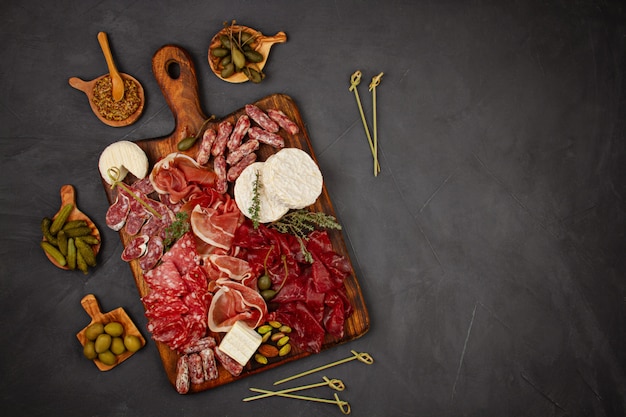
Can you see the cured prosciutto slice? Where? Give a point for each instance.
(181, 177)
(225, 266)
(233, 302)
(214, 220)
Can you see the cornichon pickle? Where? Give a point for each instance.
(71, 254)
(45, 229)
(62, 242)
(89, 239)
(54, 252)
(226, 60)
(253, 56)
(74, 223)
(61, 218)
(86, 252)
(186, 143)
(78, 231)
(253, 75)
(220, 52)
(80, 263)
(244, 36)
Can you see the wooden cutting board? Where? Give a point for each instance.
(174, 71)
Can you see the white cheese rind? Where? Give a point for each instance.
(293, 178)
(270, 209)
(240, 343)
(127, 157)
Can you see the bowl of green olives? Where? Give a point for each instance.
(110, 338)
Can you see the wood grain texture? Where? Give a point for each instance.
(181, 94)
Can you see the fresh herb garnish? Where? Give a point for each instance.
(177, 229)
(302, 222)
(255, 208)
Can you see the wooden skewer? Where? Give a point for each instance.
(375, 82)
(361, 357)
(355, 80)
(335, 384)
(344, 406)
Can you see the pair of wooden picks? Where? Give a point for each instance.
(335, 384)
(355, 80)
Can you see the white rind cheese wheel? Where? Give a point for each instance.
(127, 157)
(270, 209)
(292, 177)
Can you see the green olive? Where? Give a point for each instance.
(89, 350)
(94, 331)
(117, 346)
(114, 329)
(103, 343)
(132, 342)
(264, 282)
(268, 294)
(107, 357)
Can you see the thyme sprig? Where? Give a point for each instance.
(177, 229)
(255, 209)
(300, 223)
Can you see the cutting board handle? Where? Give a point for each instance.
(175, 73)
(91, 306)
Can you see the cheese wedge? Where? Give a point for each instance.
(240, 343)
(127, 157)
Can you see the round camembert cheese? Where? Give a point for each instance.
(289, 179)
(127, 157)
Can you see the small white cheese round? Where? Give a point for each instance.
(292, 177)
(127, 157)
(270, 209)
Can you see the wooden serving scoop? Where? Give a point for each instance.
(91, 306)
(260, 43)
(68, 195)
(87, 88)
(116, 78)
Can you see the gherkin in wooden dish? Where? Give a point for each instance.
(239, 53)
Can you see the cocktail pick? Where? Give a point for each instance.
(344, 406)
(355, 80)
(375, 82)
(361, 357)
(335, 384)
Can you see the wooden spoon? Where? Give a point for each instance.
(87, 88)
(91, 306)
(260, 43)
(116, 78)
(68, 195)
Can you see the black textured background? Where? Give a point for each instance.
(490, 249)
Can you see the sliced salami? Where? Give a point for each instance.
(207, 342)
(183, 253)
(209, 365)
(231, 365)
(196, 372)
(118, 212)
(182, 375)
(153, 253)
(239, 131)
(204, 153)
(267, 137)
(261, 118)
(283, 121)
(238, 154)
(136, 248)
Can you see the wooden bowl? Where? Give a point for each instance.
(87, 88)
(68, 195)
(261, 44)
(91, 306)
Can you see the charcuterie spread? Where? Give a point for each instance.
(230, 236)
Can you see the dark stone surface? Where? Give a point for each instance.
(490, 249)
